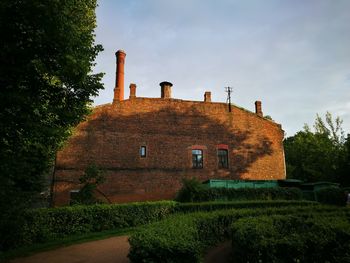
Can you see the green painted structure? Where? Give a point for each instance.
(308, 189)
(237, 184)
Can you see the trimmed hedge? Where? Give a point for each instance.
(184, 238)
(213, 206)
(204, 194)
(171, 240)
(41, 225)
(331, 196)
(292, 238)
(46, 224)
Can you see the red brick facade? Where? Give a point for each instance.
(169, 129)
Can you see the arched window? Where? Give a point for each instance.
(222, 158)
(197, 158)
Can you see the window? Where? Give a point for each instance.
(197, 159)
(223, 158)
(143, 151)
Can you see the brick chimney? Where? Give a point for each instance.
(119, 77)
(207, 96)
(165, 89)
(258, 110)
(132, 91)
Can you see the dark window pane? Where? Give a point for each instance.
(197, 158)
(223, 158)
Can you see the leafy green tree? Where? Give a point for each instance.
(345, 168)
(47, 51)
(319, 155)
(332, 128)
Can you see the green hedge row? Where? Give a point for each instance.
(292, 238)
(45, 224)
(331, 196)
(203, 194)
(219, 205)
(183, 238)
(41, 225)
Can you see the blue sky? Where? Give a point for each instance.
(293, 55)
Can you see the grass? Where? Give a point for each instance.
(62, 242)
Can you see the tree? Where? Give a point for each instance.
(46, 55)
(331, 128)
(91, 179)
(345, 168)
(319, 155)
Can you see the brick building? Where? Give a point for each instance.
(147, 145)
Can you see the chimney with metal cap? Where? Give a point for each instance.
(165, 89)
(119, 78)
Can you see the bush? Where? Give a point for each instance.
(45, 224)
(332, 196)
(172, 240)
(41, 225)
(212, 206)
(292, 238)
(193, 191)
(184, 237)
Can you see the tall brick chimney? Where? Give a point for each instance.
(119, 77)
(258, 110)
(207, 96)
(132, 91)
(165, 89)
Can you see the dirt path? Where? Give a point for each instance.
(111, 250)
(219, 254)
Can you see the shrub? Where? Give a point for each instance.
(292, 238)
(308, 195)
(332, 196)
(192, 192)
(212, 206)
(172, 240)
(184, 237)
(40, 225)
(45, 224)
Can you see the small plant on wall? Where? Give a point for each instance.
(92, 177)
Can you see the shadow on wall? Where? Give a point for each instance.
(113, 141)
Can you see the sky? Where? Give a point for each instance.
(293, 55)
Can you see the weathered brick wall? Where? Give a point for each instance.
(170, 128)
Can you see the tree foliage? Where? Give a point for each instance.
(47, 51)
(91, 179)
(330, 128)
(190, 191)
(319, 155)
